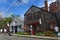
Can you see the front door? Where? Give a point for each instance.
(15, 29)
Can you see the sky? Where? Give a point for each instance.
(8, 7)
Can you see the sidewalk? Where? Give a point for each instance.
(32, 36)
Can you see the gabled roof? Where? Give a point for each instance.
(19, 20)
(36, 7)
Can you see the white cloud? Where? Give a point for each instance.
(3, 1)
(50, 1)
(25, 1)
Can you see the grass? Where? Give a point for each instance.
(21, 33)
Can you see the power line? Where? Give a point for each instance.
(8, 5)
(13, 6)
(18, 1)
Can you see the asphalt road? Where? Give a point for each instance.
(7, 37)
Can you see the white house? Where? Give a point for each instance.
(17, 25)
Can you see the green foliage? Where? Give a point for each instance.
(38, 34)
(8, 19)
(23, 33)
(49, 33)
(3, 23)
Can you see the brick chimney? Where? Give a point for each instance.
(46, 5)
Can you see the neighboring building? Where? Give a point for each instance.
(54, 6)
(55, 10)
(58, 3)
(17, 25)
(57, 14)
(38, 19)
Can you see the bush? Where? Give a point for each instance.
(49, 33)
(38, 34)
(27, 33)
(21, 33)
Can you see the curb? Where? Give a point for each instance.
(38, 37)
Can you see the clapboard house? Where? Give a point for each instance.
(38, 19)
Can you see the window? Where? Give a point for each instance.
(36, 15)
(12, 27)
(29, 16)
(20, 26)
(15, 21)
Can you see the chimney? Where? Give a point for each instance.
(46, 5)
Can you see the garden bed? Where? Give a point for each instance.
(47, 33)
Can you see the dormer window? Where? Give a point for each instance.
(32, 9)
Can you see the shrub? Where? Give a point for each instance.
(49, 33)
(38, 34)
(27, 33)
(21, 33)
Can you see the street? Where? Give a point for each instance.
(7, 37)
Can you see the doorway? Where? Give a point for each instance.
(15, 29)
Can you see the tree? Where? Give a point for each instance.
(8, 19)
(1, 24)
